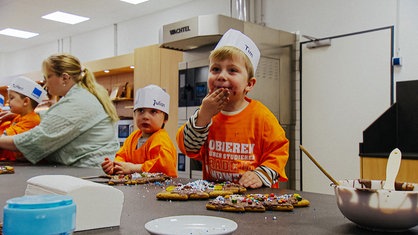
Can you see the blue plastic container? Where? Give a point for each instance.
(48, 214)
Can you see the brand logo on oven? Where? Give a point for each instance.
(180, 30)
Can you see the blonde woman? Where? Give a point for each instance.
(79, 129)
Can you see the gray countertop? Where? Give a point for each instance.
(141, 206)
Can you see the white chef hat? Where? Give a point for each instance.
(1, 101)
(152, 96)
(28, 87)
(241, 41)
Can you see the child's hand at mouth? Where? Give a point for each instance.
(212, 104)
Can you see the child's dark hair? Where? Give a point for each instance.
(33, 103)
(165, 119)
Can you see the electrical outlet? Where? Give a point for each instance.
(397, 61)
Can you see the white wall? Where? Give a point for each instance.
(324, 18)
(343, 93)
(407, 36)
(91, 46)
(320, 18)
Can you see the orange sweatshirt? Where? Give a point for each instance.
(18, 125)
(240, 143)
(157, 154)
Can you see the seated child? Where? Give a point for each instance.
(1, 102)
(24, 96)
(148, 149)
(236, 138)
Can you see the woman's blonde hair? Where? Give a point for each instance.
(66, 63)
(229, 52)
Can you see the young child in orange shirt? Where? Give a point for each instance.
(148, 149)
(24, 96)
(236, 138)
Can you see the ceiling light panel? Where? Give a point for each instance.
(65, 17)
(134, 1)
(18, 33)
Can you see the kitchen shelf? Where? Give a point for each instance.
(122, 99)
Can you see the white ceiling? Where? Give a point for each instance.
(26, 15)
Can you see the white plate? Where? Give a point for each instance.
(191, 225)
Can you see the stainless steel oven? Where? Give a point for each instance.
(123, 129)
(192, 89)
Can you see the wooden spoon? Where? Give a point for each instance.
(319, 166)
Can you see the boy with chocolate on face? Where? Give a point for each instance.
(236, 138)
